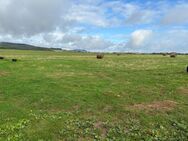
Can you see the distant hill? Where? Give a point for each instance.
(79, 50)
(7, 45)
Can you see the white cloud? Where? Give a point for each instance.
(139, 38)
(90, 43)
(132, 13)
(30, 17)
(153, 41)
(176, 15)
(173, 40)
(87, 14)
(79, 23)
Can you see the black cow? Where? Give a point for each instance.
(14, 60)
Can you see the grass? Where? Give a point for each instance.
(73, 96)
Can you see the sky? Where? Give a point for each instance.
(97, 25)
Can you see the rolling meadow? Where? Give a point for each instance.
(49, 95)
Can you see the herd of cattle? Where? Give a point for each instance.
(13, 60)
(99, 56)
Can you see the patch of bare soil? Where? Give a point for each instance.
(166, 105)
(101, 127)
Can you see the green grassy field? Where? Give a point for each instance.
(73, 96)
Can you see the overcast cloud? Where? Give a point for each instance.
(95, 25)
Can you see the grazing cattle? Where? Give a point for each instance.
(100, 56)
(1, 58)
(14, 60)
(187, 68)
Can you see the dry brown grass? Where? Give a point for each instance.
(2, 73)
(61, 74)
(166, 105)
(107, 109)
(67, 74)
(183, 90)
(134, 65)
